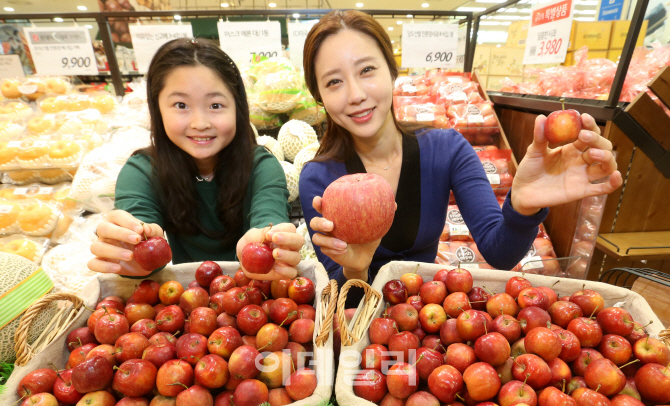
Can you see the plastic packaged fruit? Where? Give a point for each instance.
(10, 88)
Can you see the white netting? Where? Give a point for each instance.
(305, 155)
(294, 136)
(292, 178)
(307, 251)
(272, 145)
(94, 184)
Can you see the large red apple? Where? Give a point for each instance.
(445, 382)
(37, 381)
(533, 368)
(482, 381)
(649, 350)
(615, 320)
(563, 126)
(361, 207)
(603, 374)
(653, 382)
(370, 384)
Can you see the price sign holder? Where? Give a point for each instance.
(241, 40)
(297, 33)
(429, 45)
(61, 51)
(10, 67)
(147, 38)
(549, 32)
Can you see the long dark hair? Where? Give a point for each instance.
(337, 143)
(175, 170)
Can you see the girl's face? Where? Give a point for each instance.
(355, 83)
(198, 113)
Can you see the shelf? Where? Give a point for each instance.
(598, 109)
(650, 245)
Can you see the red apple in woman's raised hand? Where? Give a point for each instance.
(152, 253)
(563, 126)
(257, 257)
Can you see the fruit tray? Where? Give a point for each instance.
(355, 337)
(113, 285)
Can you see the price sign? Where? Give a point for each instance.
(549, 32)
(242, 40)
(10, 67)
(61, 51)
(429, 45)
(148, 38)
(297, 33)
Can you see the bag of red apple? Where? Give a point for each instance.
(497, 164)
(423, 114)
(477, 122)
(455, 91)
(349, 365)
(454, 226)
(113, 285)
(411, 86)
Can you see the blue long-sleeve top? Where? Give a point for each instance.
(446, 162)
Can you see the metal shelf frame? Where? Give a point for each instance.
(103, 18)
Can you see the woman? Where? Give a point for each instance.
(363, 136)
(204, 180)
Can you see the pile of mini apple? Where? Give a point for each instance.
(200, 346)
(523, 346)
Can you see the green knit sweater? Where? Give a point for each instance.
(266, 202)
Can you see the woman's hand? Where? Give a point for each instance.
(550, 177)
(117, 236)
(286, 243)
(354, 258)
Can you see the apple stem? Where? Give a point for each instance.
(650, 321)
(514, 359)
(27, 394)
(416, 268)
(459, 397)
(177, 383)
(563, 103)
(632, 362)
(486, 332)
(88, 308)
(552, 286)
(293, 313)
(265, 233)
(488, 290)
(583, 286)
(417, 361)
(563, 386)
(143, 233)
(594, 310)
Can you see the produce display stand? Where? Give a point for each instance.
(637, 212)
(113, 285)
(495, 281)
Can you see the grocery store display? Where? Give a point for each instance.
(525, 347)
(189, 346)
(294, 136)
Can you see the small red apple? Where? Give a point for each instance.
(152, 253)
(563, 126)
(257, 257)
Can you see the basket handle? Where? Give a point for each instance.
(664, 336)
(328, 295)
(21, 347)
(372, 299)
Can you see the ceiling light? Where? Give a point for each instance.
(424, 5)
(399, 22)
(82, 8)
(591, 12)
(490, 23)
(89, 26)
(225, 5)
(58, 20)
(390, 28)
(584, 19)
(505, 23)
(471, 9)
(490, 1)
(587, 2)
(296, 15)
(359, 5)
(9, 9)
(498, 46)
(177, 17)
(525, 10)
(272, 5)
(392, 42)
(410, 16)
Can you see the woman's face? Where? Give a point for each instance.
(198, 113)
(355, 83)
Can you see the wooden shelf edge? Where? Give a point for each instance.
(649, 245)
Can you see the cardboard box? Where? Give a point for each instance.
(517, 33)
(614, 54)
(595, 35)
(506, 61)
(482, 59)
(620, 32)
(570, 56)
(493, 82)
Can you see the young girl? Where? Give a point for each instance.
(350, 69)
(204, 180)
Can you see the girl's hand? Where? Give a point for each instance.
(550, 177)
(286, 243)
(117, 236)
(354, 258)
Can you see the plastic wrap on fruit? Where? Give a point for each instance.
(509, 86)
(279, 92)
(308, 111)
(496, 164)
(411, 86)
(455, 228)
(455, 92)
(270, 65)
(420, 113)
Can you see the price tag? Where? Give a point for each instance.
(549, 32)
(10, 67)
(454, 79)
(61, 51)
(45, 191)
(459, 96)
(469, 266)
(494, 178)
(423, 117)
(458, 229)
(242, 40)
(408, 89)
(21, 191)
(5, 209)
(148, 38)
(429, 45)
(534, 262)
(297, 33)
(14, 144)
